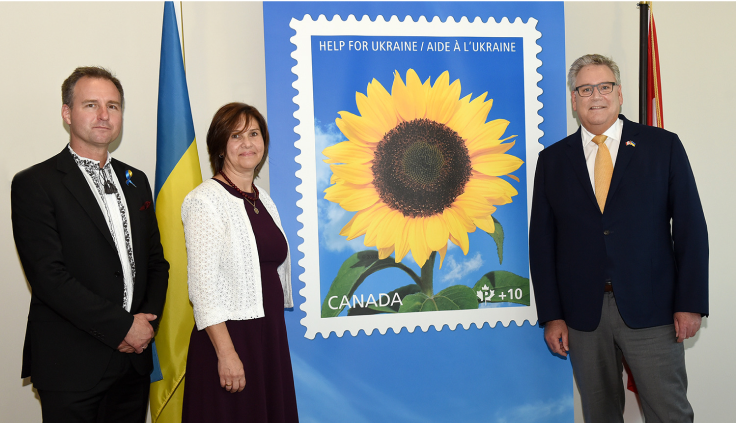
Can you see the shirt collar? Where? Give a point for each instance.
(88, 163)
(613, 132)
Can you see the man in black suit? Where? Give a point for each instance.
(618, 252)
(88, 240)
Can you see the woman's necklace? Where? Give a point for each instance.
(243, 193)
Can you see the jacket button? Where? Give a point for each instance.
(117, 273)
(606, 232)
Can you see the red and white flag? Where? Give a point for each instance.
(654, 82)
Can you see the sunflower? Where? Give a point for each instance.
(421, 166)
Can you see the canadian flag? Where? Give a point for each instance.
(654, 82)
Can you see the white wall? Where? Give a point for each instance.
(697, 61)
(41, 43)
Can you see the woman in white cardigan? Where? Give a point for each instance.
(238, 367)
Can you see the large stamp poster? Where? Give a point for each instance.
(418, 141)
(481, 364)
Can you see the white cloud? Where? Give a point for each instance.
(324, 136)
(460, 270)
(536, 412)
(333, 218)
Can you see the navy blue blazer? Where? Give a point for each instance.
(651, 241)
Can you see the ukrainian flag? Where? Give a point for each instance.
(177, 173)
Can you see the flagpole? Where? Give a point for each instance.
(643, 57)
(181, 25)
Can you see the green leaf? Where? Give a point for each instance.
(352, 273)
(497, 236)
(391, 308)
(370, 310)
(413, 302)
(456, 297)
(501, 286)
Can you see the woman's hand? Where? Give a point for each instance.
(229, 366)
(232, 376)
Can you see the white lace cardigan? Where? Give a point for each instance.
(224, 274)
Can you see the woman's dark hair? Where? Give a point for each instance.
(224, 123)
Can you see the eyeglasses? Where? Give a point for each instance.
(587, 90)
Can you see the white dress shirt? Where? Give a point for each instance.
(590, 149)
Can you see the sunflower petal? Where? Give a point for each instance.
(354, 173)
(381, 105)
(492, 130)
(360, 199)
(402, 240)
(375, 115)
(347, 152)
(419, 249)
(482, 149)
(357, 129)
(496, 164)
(387, 233)
(437, 232)
(442, 252)
(485, 223)
(474, 111)
(474, 206)
(489, 187)
(410, 99)
(379, 217)
(362, 220)
(345, 231)
(339, 191)
(385, 252)
(442, 100)
(458, 233)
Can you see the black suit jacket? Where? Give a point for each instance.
(76, 320)
(651, 241)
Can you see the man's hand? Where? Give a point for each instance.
(124, 347)
(555, 333)
(686, 325)
(140, 333)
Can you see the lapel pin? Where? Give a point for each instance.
(128, 174)
(631, 143)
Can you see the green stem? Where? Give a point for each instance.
(385, 264)
(428, 275)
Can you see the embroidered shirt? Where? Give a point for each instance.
(115, 211)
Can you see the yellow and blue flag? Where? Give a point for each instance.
(177, 173)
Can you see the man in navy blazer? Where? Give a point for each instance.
(88, 240)
(625, 274)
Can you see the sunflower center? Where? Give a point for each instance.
(420, 167)
(423, 163)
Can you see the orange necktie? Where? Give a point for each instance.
(603, 170)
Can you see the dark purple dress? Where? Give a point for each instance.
(261, 344)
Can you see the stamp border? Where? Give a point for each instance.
(305, 29)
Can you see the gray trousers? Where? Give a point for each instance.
(656, 360)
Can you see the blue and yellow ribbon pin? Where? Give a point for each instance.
(128, 175)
